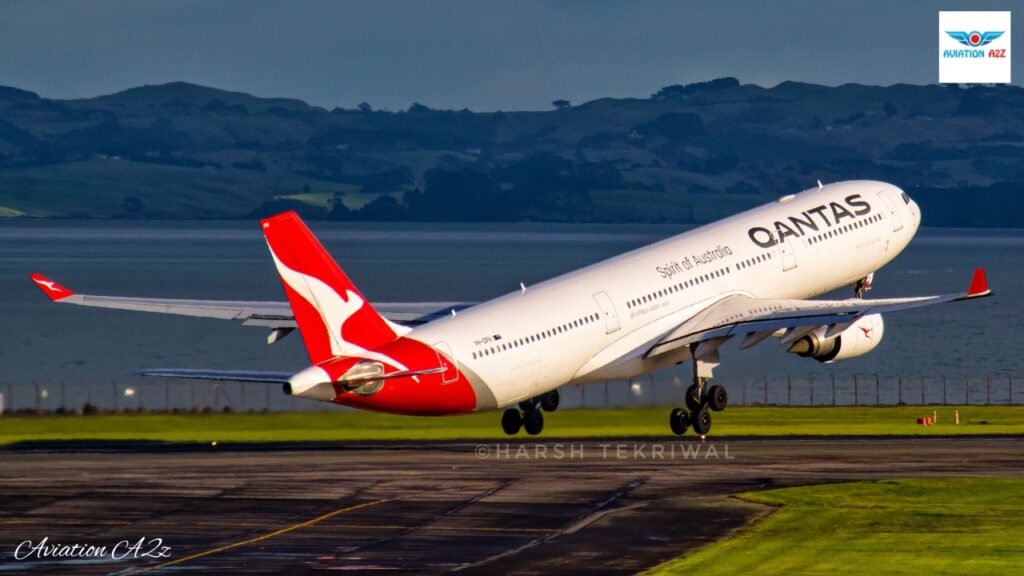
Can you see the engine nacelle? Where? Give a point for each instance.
(860, 338)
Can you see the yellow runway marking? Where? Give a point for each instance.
(266, 536)
(25, 521)
(440, 528)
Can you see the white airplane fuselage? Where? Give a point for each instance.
(582, 326)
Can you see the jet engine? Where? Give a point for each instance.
(858, 339)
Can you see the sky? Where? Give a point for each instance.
(476, 54)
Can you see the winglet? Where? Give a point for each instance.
(979, 285)
(52, 290)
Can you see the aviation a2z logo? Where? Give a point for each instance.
(974, 47)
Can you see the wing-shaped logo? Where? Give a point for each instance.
(975, 38)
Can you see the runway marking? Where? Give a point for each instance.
(285, 530)
(44, 522)
(440, 528)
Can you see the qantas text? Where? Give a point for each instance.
(813, 220)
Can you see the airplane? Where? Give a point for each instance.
(750, 276)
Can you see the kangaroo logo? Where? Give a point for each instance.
(334, 309)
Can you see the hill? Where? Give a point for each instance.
(687, 154)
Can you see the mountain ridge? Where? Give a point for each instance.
(689, 153)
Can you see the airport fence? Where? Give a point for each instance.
(665, 388)
(855, 389)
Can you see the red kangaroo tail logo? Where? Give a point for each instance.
(333, 317)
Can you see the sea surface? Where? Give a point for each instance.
(64, 355)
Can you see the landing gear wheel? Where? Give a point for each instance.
(679, 420)
(511, 421)
(549, 401)
(693, 398)
(533, 422)
(718, 398)
(701, 421)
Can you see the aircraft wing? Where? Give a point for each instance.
(757, 318)
(275, 315)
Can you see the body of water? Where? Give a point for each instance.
(87, 349)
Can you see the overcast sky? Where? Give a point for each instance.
(511, 55)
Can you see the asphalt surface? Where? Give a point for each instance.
(551, 507)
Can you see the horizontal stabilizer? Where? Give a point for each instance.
(225, 375)
(399, 374)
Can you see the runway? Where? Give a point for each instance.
(597, 507)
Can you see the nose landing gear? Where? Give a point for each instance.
(863, 285)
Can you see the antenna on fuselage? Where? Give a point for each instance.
(523, 287)
(819, 185)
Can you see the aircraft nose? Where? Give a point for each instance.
(915, 214)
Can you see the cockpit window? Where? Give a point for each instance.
(906, 199)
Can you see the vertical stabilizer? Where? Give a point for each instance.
(333, 317)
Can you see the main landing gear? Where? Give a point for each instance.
(528, 416)
(701, 399)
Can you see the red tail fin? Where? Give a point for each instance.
(333, 317)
